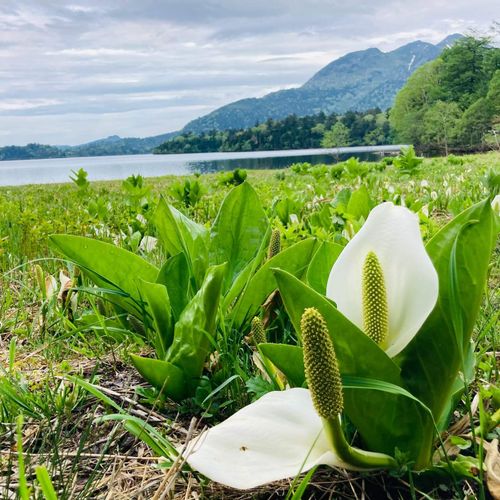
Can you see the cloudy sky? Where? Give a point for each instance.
(74, 71)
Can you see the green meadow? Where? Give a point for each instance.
(114, 357)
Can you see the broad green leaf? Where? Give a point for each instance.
(108, 266)
(359, 204)
(165, 376)
(174, 274)
(178, 233)
(158, 304)
(384, 420)
(431, 362)
(241, 281)
(321, 265)
(195, 330)
(238, 231)
(294, 259)
(289, 359)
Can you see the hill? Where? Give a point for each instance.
(109, 146)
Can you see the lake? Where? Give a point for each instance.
(21, 172)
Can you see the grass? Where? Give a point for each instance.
(44, 341)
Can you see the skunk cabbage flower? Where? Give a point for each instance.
(287, 432)
(384, 281)
(278, 436)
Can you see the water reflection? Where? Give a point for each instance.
(205, 167)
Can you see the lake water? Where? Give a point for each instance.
(20, 172)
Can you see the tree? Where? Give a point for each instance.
(476, 122)
(336, 137)
(466, 70)
(494, 93)
(442, 124)
(412, 102)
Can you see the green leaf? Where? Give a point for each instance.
(158, 305)
(178, 234)
(431, 362)
(359, 204)
(195, 330)
(145, 432)
(42, 475)
(238, 231)
(258, 386)
(289, 359)
(299, 492)
(294, 259)
(95, 391)
(394, 420)
(175, 276)
(165, 376)
(241, 281)
(321, 265)
(356, 352)
(458, 388)
(23, 490)
(108, 266)
(351, 382)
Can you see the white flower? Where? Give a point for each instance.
(495, 204)
(278, 436)
(434, 195)
(141, 219)
(408, 281)
(148, 243)
(424, 184)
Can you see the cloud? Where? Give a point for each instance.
(78, 71)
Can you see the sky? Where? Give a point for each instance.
(74, 71)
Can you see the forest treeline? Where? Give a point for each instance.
(321, 130)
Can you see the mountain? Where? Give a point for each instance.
(116, 145)
(357, 81)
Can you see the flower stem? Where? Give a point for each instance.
(354, 456)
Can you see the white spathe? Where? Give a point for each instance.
(277, 437)
(412, 285)
(495, 204)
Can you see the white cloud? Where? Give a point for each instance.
(71, 73)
